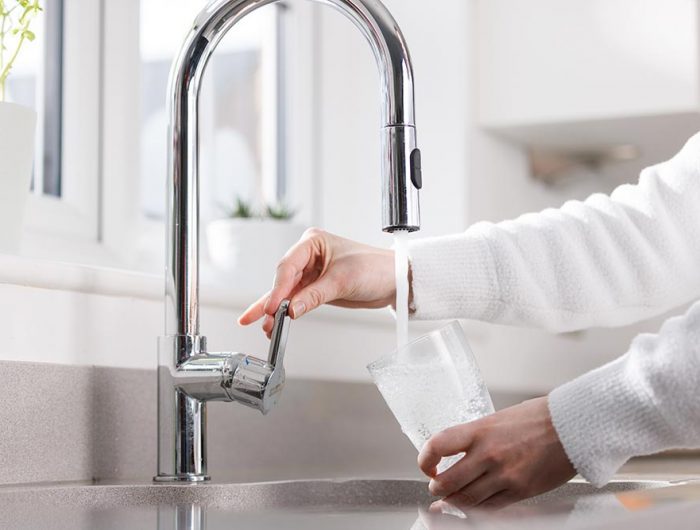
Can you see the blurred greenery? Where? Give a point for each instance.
(244, 210)
(15, 19)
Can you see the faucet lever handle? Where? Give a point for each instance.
(278, 338)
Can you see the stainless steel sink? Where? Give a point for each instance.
(386, 504)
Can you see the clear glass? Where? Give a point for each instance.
(431, 384)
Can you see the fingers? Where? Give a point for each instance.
(453, 479)
(449, 442)
(324, 290)
(483, 488)
(501, 500)
(289, 272)
(288, 277)
(268, 324)
(516, 450)
(255, 312)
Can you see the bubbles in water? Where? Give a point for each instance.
(431, 396)
(428, 393)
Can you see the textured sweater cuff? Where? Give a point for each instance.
(603, 419)
(453, 276)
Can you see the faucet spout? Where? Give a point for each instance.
(401, 164)
(189, 376)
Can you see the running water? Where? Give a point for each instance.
(434, 383)
(401, 271)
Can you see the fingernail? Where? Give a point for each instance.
(298, 309)
(432, 486)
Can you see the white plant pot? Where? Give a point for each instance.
(17, 125)
(248, 250)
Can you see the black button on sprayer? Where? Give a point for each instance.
(416, 170)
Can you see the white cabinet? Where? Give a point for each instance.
(548, 69)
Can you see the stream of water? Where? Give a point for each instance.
(401, 272)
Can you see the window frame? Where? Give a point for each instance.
(98, 219)
(55, 227)
(122, 220)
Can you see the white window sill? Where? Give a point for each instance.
(107, 281)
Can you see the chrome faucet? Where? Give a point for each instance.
(189, 376)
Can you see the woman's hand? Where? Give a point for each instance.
(510, 455)
(326, 269)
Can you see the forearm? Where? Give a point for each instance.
(603, 262)
(640, 404)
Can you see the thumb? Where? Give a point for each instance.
(322, 291)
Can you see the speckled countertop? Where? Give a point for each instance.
(365, 504)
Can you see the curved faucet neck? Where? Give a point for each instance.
(401, 210)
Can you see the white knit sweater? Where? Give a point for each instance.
(608, 261)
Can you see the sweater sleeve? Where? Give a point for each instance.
(607, 261)
(642, 403)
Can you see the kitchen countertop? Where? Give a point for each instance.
(681, 464)
(403, 504)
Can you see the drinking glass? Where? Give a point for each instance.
(431, 384)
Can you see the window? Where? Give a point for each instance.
(37, 82)
(238, 110)
(60, 76)
(98, 75)
(242, 126)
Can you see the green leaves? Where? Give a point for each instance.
(27, 34)
(15, 21)
(244, 210)
(279, 211)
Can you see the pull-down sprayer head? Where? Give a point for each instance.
(402, 179)
(401, 158)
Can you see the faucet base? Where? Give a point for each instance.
(181, 478)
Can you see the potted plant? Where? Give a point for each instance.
(17, 123)
(248, 243)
